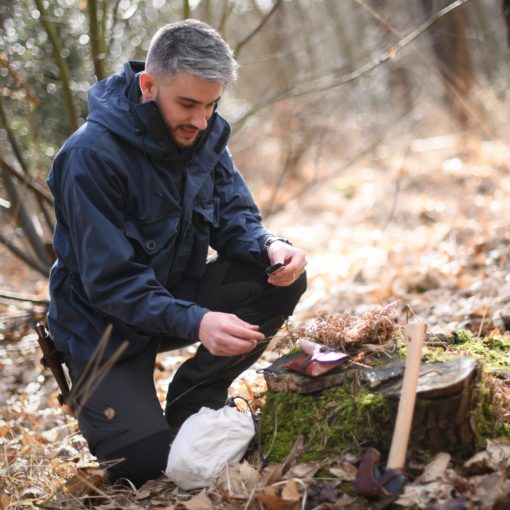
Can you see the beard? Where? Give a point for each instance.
(184, 135)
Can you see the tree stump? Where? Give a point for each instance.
(446, 402)
(445, 417)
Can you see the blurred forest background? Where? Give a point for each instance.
(323, 83)
(373, 133)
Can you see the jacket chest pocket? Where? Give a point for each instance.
(150, 238)
(207, 213)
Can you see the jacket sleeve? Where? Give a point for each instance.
(240, 224)
(90, 196)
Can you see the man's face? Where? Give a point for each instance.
(185, 102)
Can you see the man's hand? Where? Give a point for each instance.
(225, 334)
(294, 260)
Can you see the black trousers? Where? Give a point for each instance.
(121, 417)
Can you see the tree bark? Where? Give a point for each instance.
(97, 42)
(453, 60)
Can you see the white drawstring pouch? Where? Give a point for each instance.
(206, 443)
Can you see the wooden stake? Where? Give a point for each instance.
(415, 335)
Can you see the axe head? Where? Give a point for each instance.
(371, 482)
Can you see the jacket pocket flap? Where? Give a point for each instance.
(152, 236)
(208, 211)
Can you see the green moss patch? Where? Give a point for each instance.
(335, 421)
(492, 351)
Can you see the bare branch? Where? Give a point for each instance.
(305, 189)
(22, 216)
(24, 256)
(5, 294)
(452, 83)
(306, 87)
(12, 139)
(186, 9)
(115, 14)
(207, 11)
(61, 63)
(27, 181)
(228, 7)
(18, 80)
(262, 22)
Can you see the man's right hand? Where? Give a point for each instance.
(225, 334)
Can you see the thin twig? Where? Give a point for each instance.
(27, 181)
(18, 80)
(12, 139)
(452, 83)
(305, 189)
(15, 296)
(262, 22)
(94, 372)
(396, 193)
(24, 256)
(260, 348)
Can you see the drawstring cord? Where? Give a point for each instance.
(255, 417)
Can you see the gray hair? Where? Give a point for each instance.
(192, 47)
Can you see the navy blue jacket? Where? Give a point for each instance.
(127, 231)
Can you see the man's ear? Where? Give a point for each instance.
(147, 86)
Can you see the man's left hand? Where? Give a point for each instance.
(294, 260)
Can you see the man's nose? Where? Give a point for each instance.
(200, 120)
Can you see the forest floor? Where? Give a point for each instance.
(428, 227)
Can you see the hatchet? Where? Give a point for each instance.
(370, 481)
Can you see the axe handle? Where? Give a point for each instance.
(415, 334)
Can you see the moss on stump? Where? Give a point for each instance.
(331, 423)
(348, 417)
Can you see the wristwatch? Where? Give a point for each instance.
(269, 240)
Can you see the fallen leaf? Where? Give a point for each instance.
(4, 501)
(199, 502)
(320, 493)
(249, 475)
(58, 433)
(272, 473)
(423, 495)
(489, 488)
(32, 492)
(496, 457)
(4, 429)
(344, 471)
(85, 481)
(271, 500)
(62, 468)
(303, 470)
(290, 491)
(435, 469)
(238, 480)
(142, 494)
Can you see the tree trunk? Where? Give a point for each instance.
(453, 60)
(97, 41)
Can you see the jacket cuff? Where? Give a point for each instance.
(185, 318)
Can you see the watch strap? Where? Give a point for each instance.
(269, 240)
